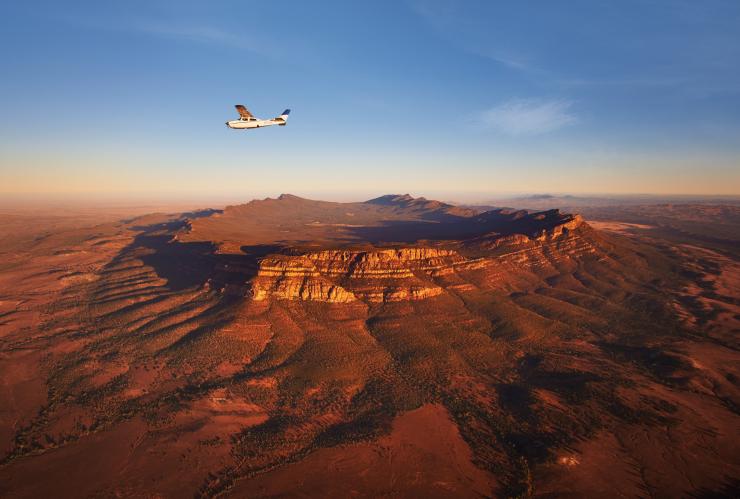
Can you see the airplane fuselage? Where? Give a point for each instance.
(255, 123)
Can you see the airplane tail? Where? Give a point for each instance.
(283, 117)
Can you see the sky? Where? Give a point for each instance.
(442, 98)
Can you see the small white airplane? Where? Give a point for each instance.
(247, 119)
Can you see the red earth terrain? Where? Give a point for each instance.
(398, 347)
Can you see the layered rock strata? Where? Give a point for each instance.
(416, 273)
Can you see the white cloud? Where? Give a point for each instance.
(529, 116)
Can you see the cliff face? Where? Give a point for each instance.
(345, 275)
(295, 278)
(418, 273)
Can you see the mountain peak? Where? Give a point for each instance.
(289, 197)
(391, 199)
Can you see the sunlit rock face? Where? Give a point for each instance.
(417, 272)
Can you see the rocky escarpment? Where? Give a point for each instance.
(347, 275)
(418, 272)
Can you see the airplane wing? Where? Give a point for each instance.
(243, 111)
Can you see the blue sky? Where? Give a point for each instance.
(449, 99)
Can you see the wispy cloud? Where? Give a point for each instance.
(529, 116)
(204, 34)
(449, 20)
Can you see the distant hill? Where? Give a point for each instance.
(293, 220)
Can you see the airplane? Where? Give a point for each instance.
(247, 119)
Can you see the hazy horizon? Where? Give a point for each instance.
(186, 202)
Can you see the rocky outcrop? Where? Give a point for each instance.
(575, 222)
(415, 273)
(301, 289)
(295, 278)
(373, 276)
(383, 263)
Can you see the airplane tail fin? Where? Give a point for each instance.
(283, 117)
